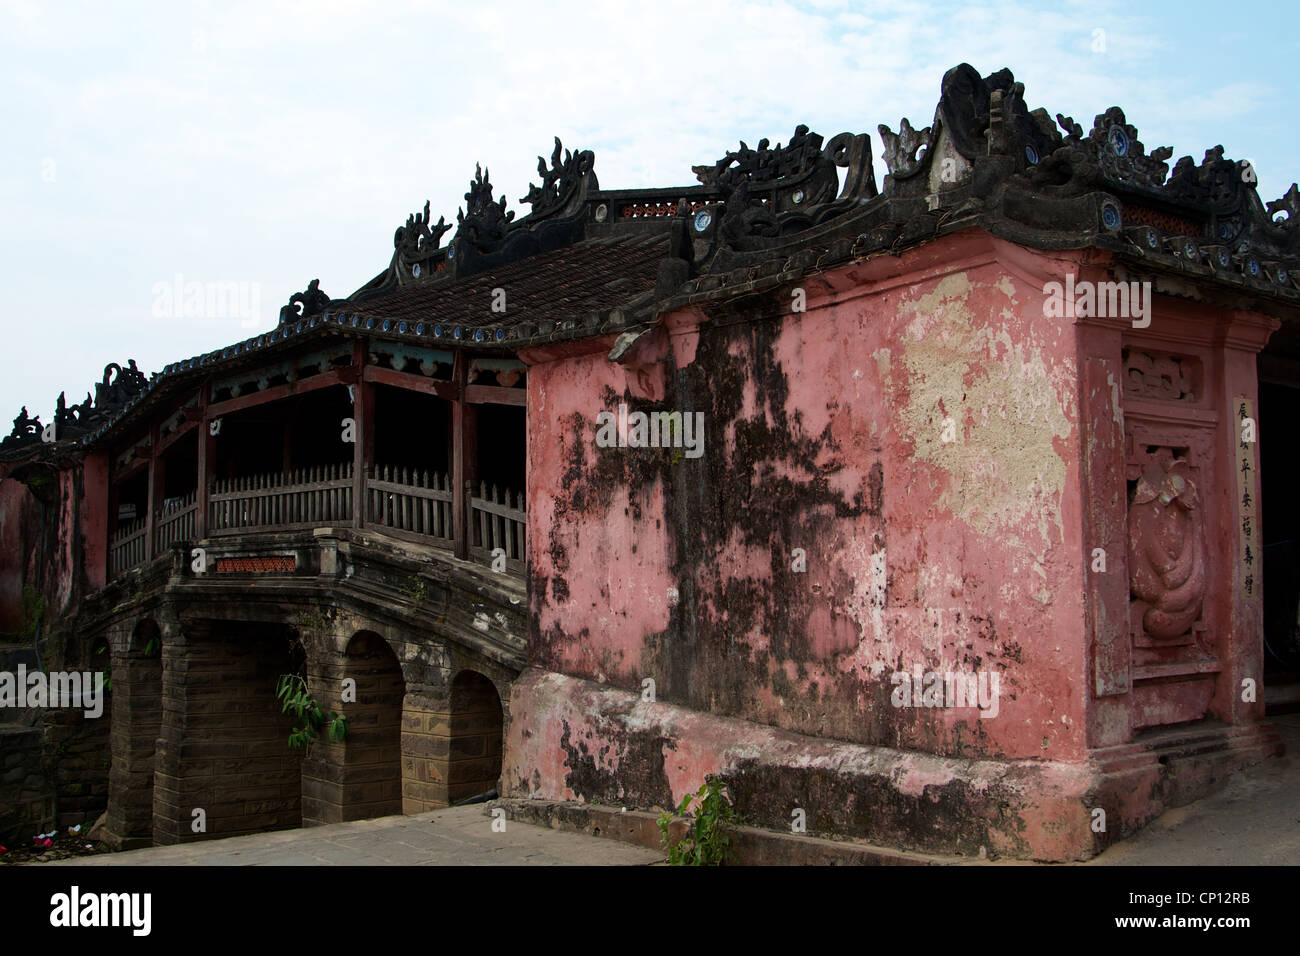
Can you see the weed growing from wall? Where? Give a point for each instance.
(708, 841)
(292, 692)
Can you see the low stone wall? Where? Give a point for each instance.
(26, 798)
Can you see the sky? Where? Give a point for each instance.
(266, 144)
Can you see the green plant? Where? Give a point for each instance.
(33, 612)
(417, 590)
(108, 673)
(296, 699)
(708, 839)
(313, 619)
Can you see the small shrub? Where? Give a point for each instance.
(708, 841)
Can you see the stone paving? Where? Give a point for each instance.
(1253, 821)
(459, 836)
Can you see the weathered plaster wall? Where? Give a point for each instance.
(20, 515)
(825, 432)
(44, 516)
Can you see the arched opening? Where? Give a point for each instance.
(474, 761)
(136, 722)
(372, 771)
(225, 767)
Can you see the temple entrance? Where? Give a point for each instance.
(1279, 407)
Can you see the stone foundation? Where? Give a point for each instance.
(573, 739)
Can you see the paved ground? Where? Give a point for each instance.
(1253, 821)
(460, 836)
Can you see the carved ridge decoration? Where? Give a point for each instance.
(417, 240)
(119, 385)
(72, 416)
(773, 191)
(901, 148)
(561, 181)
(483, 221)
(1166, 538)
(766, 164)
(310, 302)
(26, 429)
(1115, 147)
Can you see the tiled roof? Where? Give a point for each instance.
(591, 275)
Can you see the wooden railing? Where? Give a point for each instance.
(176, 524)
(410, 502)
(406, 502)
(497, 520)
(126, 548)
(302, 498)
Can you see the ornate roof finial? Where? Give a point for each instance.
(561, 180)
(483, 221)
(301, 304)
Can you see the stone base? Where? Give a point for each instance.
(1169, 767)
(750, 846)
(575, 740)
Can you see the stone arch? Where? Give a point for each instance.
(372, 785)
(224, 765)
(361, 776)
(136, 724)
(476, 731)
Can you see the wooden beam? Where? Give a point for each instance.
(278, 393)
(495, 395)
(363, 451)
(181, 432)
(412, 383)
(122, 474)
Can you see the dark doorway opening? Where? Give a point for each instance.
(1279, 454)
(474, 764)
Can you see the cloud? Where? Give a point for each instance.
(276, 142)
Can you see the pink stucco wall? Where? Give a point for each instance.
(825, 432)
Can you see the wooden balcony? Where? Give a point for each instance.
(411, 504)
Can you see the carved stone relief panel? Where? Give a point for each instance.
(1169, 472)
(1166, 541)
(1163, 376)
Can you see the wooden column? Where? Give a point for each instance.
(207, 457)
(155, 485)
(464, 446)
(363, 451)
